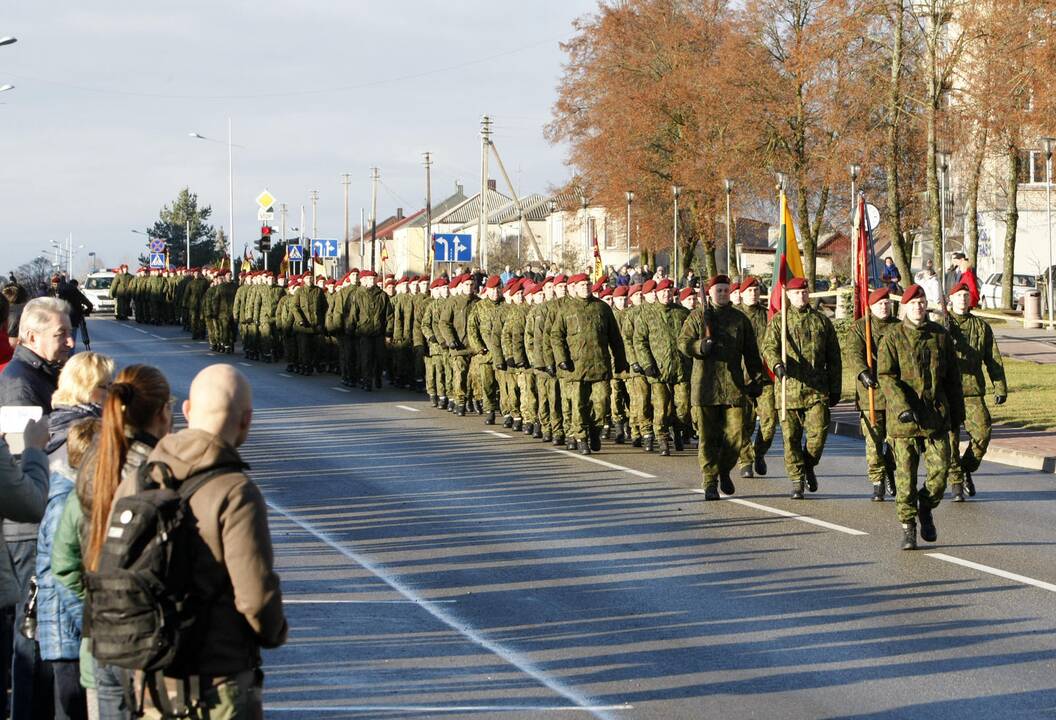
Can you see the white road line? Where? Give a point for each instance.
(458, 625)
(445, 709)
(157, 337)
(613, 466)
(285, 375)
(245, 364)
(496, 433)
(994, 571)
(408, 408)
(186, 346)
(141, 330)
(335, 387)
(792, 515)
(312, 601)
(211, 354)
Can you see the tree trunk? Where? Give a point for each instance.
(809, 232)
(934, 204)
(972, 251)
(1011, 224)
(902, 250)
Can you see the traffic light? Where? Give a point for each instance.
(264, 244)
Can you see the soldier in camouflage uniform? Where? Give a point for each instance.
(436, 362)
(193, 301)
(209, 312)
(370, 314)
(421, 300)
(284, 323)
(656, 352)
(727, 373)
(813, 377)
(225, 299)
(402, 335)
(618, 408)
(879, 462)
(156, 297)
(347, 346)
(484, 328)
(120, 291)
(753, 453)
(270, 295)
(976, 348)
(452, 329)
(309, 317)
(917, 368)
(587, 345)
(537, 377)
(636, 384)
(515, 316)
(554, 425)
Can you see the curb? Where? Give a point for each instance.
(995, 453)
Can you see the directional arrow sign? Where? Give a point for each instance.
(265, 200)
(453, 248)
(157, 261)
(324, 248)
(296, 252)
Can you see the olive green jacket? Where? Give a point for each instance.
(973, 339)
(484, 328)
(451, 324)
(814, 369)
(721, 377)
(917, 368)
(855, 358)
(656, 334)
(585, 332)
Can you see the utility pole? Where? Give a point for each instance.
(362, 230)
(482, 220)
(730, 259)
(346, 180)
(231, 199)
(428, 213)
(300, 230)
(187, 264)
(314, 196)
(373, 213)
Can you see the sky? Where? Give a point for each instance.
(94, 139)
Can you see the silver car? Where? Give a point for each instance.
(990, 295)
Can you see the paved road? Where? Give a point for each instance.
(433, 569)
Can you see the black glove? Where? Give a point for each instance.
(501, 365)
(779, 371)
(907, 416)
(834, 400)
(652, 371)
(566, 365)
(865, 377)
(541, 368)
(753, 390)
(429, 339)
(635, 367)
(550, 370)
(456, 345)
(999, 399)
(707, 345)
(511, 363)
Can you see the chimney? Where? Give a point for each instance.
(491, 185)
(459, 190)
(399, 213)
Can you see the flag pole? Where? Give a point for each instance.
(862, 278)
(784, 316)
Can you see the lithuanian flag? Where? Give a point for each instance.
(787, 261)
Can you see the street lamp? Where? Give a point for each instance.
(1047, 144)
(8, 41)
(856, 170)
(586, 225)
(230, 190)
(4, 88)
(943, 159)
(552, 207)
(630, 199)
(728, 184)
(676, 190)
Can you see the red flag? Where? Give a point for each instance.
(861, 261)
(787, 261)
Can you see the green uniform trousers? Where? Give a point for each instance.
(459, 378)
(660, 396)
(719, 428)
(978, 427)
(567, 407)
(908, 451)
(876, 461)
(812, 422)
(763, 410)
(618, 402)
(544, 394)
(371, 354)
(589, 401)
(526, 386)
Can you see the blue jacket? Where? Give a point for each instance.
(59, 611)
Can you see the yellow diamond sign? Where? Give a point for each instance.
(265, 200)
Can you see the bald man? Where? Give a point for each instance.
(234, 567)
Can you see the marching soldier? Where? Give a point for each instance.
(284, 323)
(812, 379)
(587, 346)
(436, 357)
(753, 453)
(973, 340)
(422, 300)
(451, 325)
(917, 368)
(638, 426)
(484, 328)
(120, 291)
(727, 373)
(270, 296)
(371, 316)
(879, 463)
(656, 351)
(553, 292)
(518, 390)
(402, 335)
(309, 317)
(538, 376)
(618, 408)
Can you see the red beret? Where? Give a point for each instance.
(606, 292)
(717, 280)
(354, 271)
(402, 281)
(598, 286)
(560, 280)
(620, 291)
(649, 286)
(512, 281)
(578, 278)
(636, 288)
(368, 273)
(548, 280)
(390, 276)
(796, 283)
(750, 281)
(439, 282)
(686, 292)
(962, 285)
(516, 286)
(879, 294)
(493, 281)
(913, 292)
(665, 284)
(454, 282)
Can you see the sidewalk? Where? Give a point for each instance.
(1019, 447)
(1034, 345)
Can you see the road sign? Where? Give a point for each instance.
(449, 247)
(266, 215)
(157, 246)
(265, 200)
(157, 261)
(324, 248)
(296, 252)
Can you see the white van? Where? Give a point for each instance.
(97, 289)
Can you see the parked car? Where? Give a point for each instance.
(97, 289)
(990, 292)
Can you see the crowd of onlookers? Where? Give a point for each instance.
(100, 430)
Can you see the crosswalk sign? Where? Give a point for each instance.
(296, 252)
(157, 261)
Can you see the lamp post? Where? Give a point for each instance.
(91, 254)
(230, 191)
(552, 207)
(1047, 144)
(730, 257)
(855, 169)
(630, 199)
(676, 190)
(586, 225)
(7, 40)
(944, 165)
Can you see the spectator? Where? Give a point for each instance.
(80, 306)
(83, 384)
(927, 271)
(23, 497)
(16, 297)
(44, 345)
(7, 348)
(623, 277)
(690, 280)
(891, 276)
(638, 276)
(506, 275)
(660, 273)
(231, 519)
(59, 611)
(137, 413)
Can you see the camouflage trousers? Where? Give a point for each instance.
(977, 426)
(510, 393)
(670, 406)
(529, 401)
(908, 451)
(420, 351)
(876, 459)
(402, 363)
(763, 410)
(640, 407)
(267, 336)
(458, 378)
(487, 383)
(589, 401)
(370, 351)
(811, 422)
(289, 341)
(618, 401)
(309, 349)
(720, 429)
(347, 348)
(248, 331)
(568, 408)
(545, 395)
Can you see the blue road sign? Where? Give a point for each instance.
(157, 261)
(157, 246)
(324, 248)
(449, 247)
(296, 252)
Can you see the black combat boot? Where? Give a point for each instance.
(812, 479)
(636, 442)
(537, 431)
(606, 432)
(507, 421)
(797, 491)
(442, 402)
(594, 436)
(558, 440)
(460, 411)
(434, 400)
(958, 492)
(584, 448)
(480, 406)
(676, 434)
(746, 471)
(878, 492)
(726, 483)
(621, 433)
(518, 426)
(969, 484)
(548, 437)
(665, 449)
(289, 368)
(928, 532)
(909, 535)
(570, 443)
(490, 419)
(760, 463)
(711, 492)
(649, 445)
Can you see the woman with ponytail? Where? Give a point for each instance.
(137, 413)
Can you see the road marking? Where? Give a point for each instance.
(496, 433)
(458, 625)
(245, 364)
(994, 571)
(446, 709)
(211, 354)
(792, 515)
(408, 408)
(280, 374)
(613, 466)
(157, 337)
(141, 330)
(186, 346)
(310, 601)
(335, 387)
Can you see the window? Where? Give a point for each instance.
(610, 234)
(1031, 166)
(98, 283)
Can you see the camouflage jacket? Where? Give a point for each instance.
(720, 377)
(484, 329)
(309, 310)
(656, 334)
(814, 368)
(585, 333)
(370, 313)
(756, 315)
(512, 337)
(451, 323)
(854, 356)
(402, 320)
(973, 340)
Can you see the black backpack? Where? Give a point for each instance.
(138, 606)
